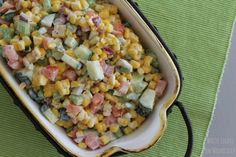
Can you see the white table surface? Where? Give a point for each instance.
(221, 141)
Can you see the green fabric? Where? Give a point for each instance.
(199, 33)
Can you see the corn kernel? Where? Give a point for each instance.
(2, 42)
(49, 90)
(139, 119)
(147, 60)
(71, 53)
(38, 40)
(25, 4)
(135, 64)
(72, 19)
(152, 85)
(84, 4)
(62, 67)
(127, 33)
(95, 57)
(82, 126)
(157, 77)
(129, 76)
(63, 87)
(147, 69)
(103, 87)
(75, 84)
(105, 139)
(55, 112)
(4, 26)
(97, 51)
(140, 71)
(114, 128)
(123, 121)
(19, 46)
(117, 84)
(128, 130)
(56, 7)
(133, 113)
(104, 14)
(68, 124)
(82, 145)
(42, 52)
(133, 124)
(27, 40)
(101, 127)
(36, 19)
(113, 9)
(122, 78)
(75, 6)
(100, 117)
(86, 102)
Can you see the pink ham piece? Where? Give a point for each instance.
(107, 69)
(161, 86)
(50, 72)
(97, 102)
(97, 21)
(92, 141)
(10, 53)
(73, 110)
(6, 7)
(124, 87)
(117, 112)
(109, 120)
(108, 50)
(119, 29)
(70, 74)
(16, 65)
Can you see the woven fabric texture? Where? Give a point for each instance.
(199, 32)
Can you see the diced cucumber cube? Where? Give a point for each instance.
(138, 84)
(7, 33)
(47, 5)
(132, 96)
(71, 61)
(129, 105)
(95, 70)
(83, 52)
(42, 30)
(124, 65)
(77, 99)
(71, 42)
(48, 20)
(119, 133)
(147, 99)
(9, 16)
(23, 27)
(50, 116)
(71, 27)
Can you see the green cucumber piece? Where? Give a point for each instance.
(7, 33)
(77, 99)
(71, 61)
(83, 52)
(95, 70)
(9, 16)
(50, 116)
(71, 27)
(119, 133)
(147, 99)
(132, 96)
(71, 42)
(48, 20)
(137, 83)
(23, 27)
(47, 5)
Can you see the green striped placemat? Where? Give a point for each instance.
(198, 31)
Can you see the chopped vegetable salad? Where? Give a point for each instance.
(83, 64)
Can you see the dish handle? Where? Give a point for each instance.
(188, 124)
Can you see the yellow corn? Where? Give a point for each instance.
(37, 40)
(117, 84)
(95, 90)
(147, 60)
(75, 6)
(123, 121)
(101, 127)
(114, 128)
(97, 51)
(133, 113)
(25, 4)
(72, 19)
(19, 46)
(100, 117)
(2, 42)
(86, 102)
(147, 69)
(157, 77)
(63, 87)
(128, 130)
(84, 4)
(4, 26)
(139, 119)
(135, 64)
(113, 9)
(105, 139)
(82, 145)
(103, 87)
(55, 112)
(71, 53)
(104, 14)
(152, 85)
(133, 124)
(56, 7)
(95, 57)
(127, 33)
(103, 56)
(48, 90)
(36, 19)
(27, 40)
(140, 71)
(62, 67)
(75, 84)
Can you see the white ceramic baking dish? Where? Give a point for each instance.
(151, 130)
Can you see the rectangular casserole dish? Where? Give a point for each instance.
(152, 129)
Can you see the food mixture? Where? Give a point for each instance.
(82, 64)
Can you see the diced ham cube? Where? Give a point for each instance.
(6, 7)
(107, 69)
(97, 102)
(70, 74)
(16, 65)
(50, 72)
(92, 141)
(119, 29)
(10, 53)
(110, 120)
(73, 110)
(124, 87)
(108, 50)
(161, 86)
(117, 112)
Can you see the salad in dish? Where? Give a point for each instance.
(83, 64)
